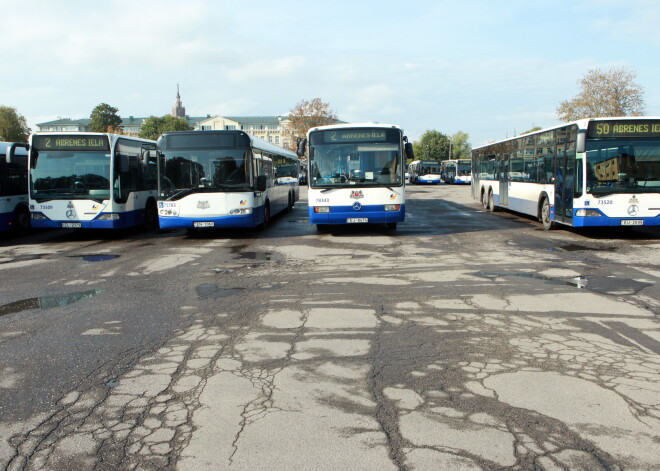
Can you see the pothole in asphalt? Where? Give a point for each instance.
(94, 257)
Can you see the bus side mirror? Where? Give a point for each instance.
(581, 144)
(10, 152)
(34, 156)
(301, 147)
(410, 152)
(262, 181)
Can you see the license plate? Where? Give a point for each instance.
(357, 220)
(72, 225)
(204, 224)
(632, 222)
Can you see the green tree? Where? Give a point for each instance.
(460, 146)
(532, 129)
(154, 126)
(104, 118)
(604, 93)
(13, 126)
(306, 115)
(432, 145)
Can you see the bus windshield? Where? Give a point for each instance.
(623, 166)
(204, 170)
(464, 168)
(72, 175)
(345, 158)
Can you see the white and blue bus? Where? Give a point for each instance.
(223, 179)
(424, 171)
(92, 181)
(456, 171)
(592, 172)
(14, 208)
(356, 174)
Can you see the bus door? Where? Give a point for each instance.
(564, 184)
(504, 180)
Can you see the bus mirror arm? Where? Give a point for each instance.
(10, 151)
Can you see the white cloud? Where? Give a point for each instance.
(265, 69)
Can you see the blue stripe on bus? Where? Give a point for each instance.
(591, 221)
(6, 221)
(126, 220)
(375, 213)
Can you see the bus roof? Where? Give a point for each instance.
(354, 125)
(255, 142)
(581, 123)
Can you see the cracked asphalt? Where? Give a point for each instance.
(462, 341)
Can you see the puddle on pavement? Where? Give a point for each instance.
(23, 258)
(212, 290)
(603, 285)
(578, 248)
(94, 257)
(261, 256)
(48, 302)
(113, 383)
(578, 282)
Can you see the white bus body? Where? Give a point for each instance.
(592, 172)
(14, 208)
(425, 171)
(456, 171)
(219, 179)
(91, 181)
(356, 174)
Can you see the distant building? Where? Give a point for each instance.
(268, 128)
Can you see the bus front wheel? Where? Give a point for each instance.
(545, 215)
(484, 200)
(22, 220)
(491, 202)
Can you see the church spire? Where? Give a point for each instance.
(178, 111)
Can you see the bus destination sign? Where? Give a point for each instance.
(623, 128)
(70, 142)
(357, 135)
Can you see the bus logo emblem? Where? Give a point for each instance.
(633, 200)
(203, 205)
(357, 194)
(357, 206)
(633, 209)
(71, 212)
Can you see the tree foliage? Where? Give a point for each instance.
(154, 126)
(532, 129)
(460, 146)
(604, 93)
(13, 126)
(306, 115)
(432, 145)
(104, 118)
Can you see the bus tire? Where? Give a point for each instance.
(265, 223)
(151, 216)
(484, 200)
(491, 202)
(289, 206)
(545, 215)
(390, 226)
(322, 228)
(22, 220)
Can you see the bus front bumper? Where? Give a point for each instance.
(347, 215)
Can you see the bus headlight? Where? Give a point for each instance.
(240, 211)
(168, 212)
(321, 209)
(38, 216)
(108, 217)
(392, 207)
(588, 213)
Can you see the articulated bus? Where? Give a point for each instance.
(92, 181)
(223, 179)
(356, 174)
(424, 171)
(456, 171)
(14, 209)
(592, 172)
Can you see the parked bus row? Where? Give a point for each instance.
(202, 179)
(592, 172)
(451, 171)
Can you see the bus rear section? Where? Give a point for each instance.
(223, 179)
(356, 174)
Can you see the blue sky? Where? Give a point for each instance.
(488, 68)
